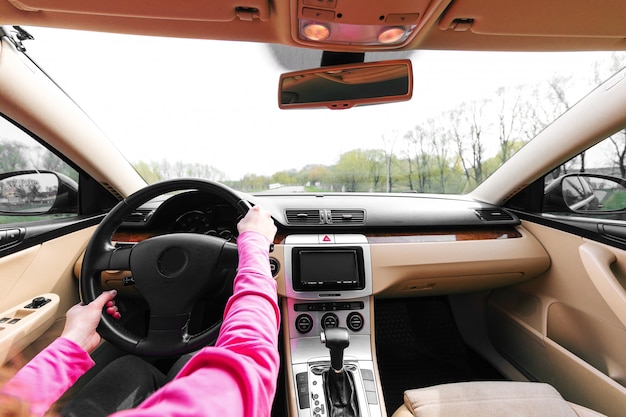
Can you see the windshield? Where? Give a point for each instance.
(209, 109)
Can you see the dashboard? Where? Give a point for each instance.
(417, 244)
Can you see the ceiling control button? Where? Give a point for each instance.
(318, 14)
(330, 320)
(304, 323)
(355, 321)
(402, 19)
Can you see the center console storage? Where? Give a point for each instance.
(328, 283)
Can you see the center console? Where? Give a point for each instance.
(328, 284)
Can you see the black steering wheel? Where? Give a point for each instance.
(170, 271)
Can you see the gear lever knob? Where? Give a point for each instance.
(336, 340)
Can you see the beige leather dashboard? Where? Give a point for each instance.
(430, 263)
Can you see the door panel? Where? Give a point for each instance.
(599, 261)
(561, 328)
(45, 269)
(25, 323)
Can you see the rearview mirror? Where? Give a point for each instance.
(345, 86)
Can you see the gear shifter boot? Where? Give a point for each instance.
(340, 394)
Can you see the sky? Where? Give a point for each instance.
(215, 102)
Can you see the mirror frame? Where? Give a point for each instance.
(65, 200)
(348, 103)
(555, 200)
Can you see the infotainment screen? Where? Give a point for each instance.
(328, 268)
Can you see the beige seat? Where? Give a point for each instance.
(489, 399)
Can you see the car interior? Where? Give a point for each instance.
(509, 298)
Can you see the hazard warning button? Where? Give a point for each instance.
(326, 238)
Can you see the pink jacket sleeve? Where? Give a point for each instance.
(48, 375)
(238, 376)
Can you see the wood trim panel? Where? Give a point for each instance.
(444, 235)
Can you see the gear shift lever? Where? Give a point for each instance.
(336, 340)
(339, 387)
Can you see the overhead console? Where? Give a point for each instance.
(369, 24)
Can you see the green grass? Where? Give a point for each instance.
(614, 201)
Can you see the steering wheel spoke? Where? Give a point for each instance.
(119, 259)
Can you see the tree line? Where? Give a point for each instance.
(450, 153)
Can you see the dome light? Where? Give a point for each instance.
(316, 32)
(391, 35)
(333, 33)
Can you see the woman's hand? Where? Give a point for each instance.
(82, 320)
(258, 220)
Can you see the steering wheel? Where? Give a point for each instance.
(170, 271)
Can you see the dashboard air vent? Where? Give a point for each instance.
(324, 216)
(347, 216)
(305, 216)
(494, 215)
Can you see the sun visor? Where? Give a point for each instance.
(198, 10)
(579, 18)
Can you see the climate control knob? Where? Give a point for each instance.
(330, 320)
(304, 323)
(355, 321)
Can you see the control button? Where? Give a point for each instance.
(13, 235)
(4, 319)
(274, 266)
(318, 14)
(302, 383)
(38, 302)
(326, 238)
(402, 19)
(371, 397)
(14, 321)
(304, 323)
(333, 306)
(369, 384)
(9, 236)
(330, 320)
(355, 321)
(358, 305)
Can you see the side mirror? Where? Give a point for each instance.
(345, 86)
(37, 192)
(585, 193)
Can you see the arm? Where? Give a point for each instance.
(238, 376)
(63, 361)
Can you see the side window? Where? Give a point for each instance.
(35, 184)
(593, 184)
